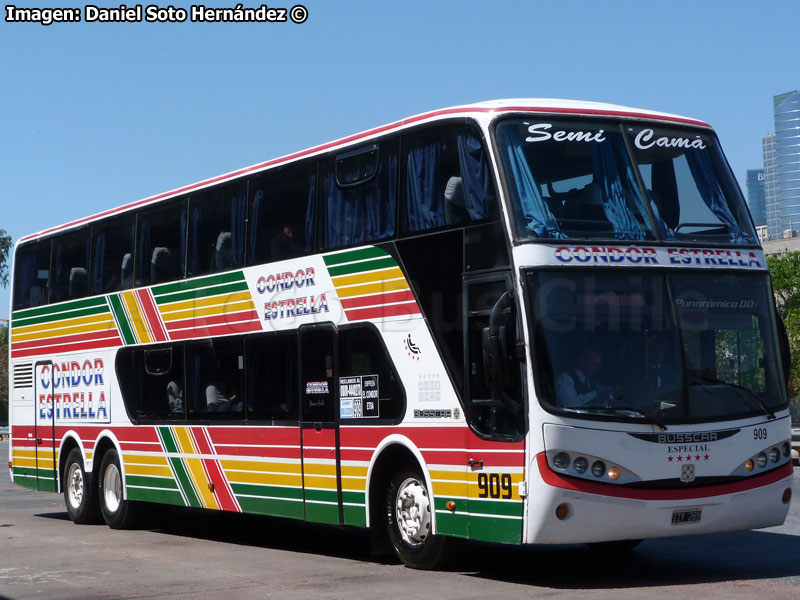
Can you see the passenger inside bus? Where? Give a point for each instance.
(579, 385)
(174, 397)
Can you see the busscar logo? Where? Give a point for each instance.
(429, 413)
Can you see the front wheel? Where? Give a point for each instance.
(409, 512)
(79, 495)
(117, 512)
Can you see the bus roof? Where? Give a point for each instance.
(548, 106)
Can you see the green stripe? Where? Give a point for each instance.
(370, 265)
(128, 336)
(193, 284)
(346, 257)
(487, 529)
(322, 496)
(355, 515)
(353, 497)
(322, 513)
(58, 308)
(22, 481)
(185, 482)
(455, 524)
(220, 290)
(151, 482)
(167, 440)
(160, 496)
(267, 490)
(85, 312)
(276, 508)
(491, 508)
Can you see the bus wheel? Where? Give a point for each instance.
(408, 522)
(117, 512)
(79, 496)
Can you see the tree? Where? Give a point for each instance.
(785, 272)
(5, 249)
(4, 375)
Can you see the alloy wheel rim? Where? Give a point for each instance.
(413, 512)
(112, 488)
(75, 485)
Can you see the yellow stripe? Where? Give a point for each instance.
(324, 483)
(310, 468)
(222, 299)
(146, 460)
(242, 465)
(355, 485)
(373, 288)
(290, 480)
(23, 453)
(24, 462)
(198, 475)
(374, 276)
(135, 317)
(85, 325)
(158, 471)
(354, 471)
(223, 309)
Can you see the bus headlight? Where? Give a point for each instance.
(585, 466)
(774, 456)
(561, 460)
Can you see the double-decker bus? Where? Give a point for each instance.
(521, 321)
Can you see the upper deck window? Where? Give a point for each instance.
(577, 180)
(690, 186)
(572, 180)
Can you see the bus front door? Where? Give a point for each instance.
(44, 427)
(319, 431)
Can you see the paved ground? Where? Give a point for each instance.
(196, 554)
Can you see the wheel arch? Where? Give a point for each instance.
(393, 453)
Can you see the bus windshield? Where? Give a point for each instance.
(599, 180)
(609, 345)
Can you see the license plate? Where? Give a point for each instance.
(680, 517)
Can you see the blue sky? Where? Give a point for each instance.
(95, 115)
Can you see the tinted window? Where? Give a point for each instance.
(281, 214)
(32, 275)
(363, 211)
(112, 264)
(368, 384)
(215, 379)
(448, 181)
(217, 229)
(161, 244)
(271, 377)
(70, 266)
(152, 382)
(317, 374)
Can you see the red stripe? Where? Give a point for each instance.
(55, 349)
(365, 134)
(152, 316)
(406, 309)
(378, 299)
(218, 330)
(279, 436)
(213, 471)
(66, 339)
(249, 315)
(601, 489)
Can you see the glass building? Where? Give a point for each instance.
(787, 159)
(756, 198)
(770, 187)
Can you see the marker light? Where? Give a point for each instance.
(598, 468)
(774, 455)
(787, 495)
(614, 473)
(761, 460)
(9, 464)
(561, 460)
(580, 465)
(562, 511)
(749, 465)
(451, 506)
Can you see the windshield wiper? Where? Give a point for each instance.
(628, 411)
(736, 386)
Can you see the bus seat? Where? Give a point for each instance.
(126, 272)
(454, 211)
(222, 259)
(78, 282)
(162, 265)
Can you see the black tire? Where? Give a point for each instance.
(615, 547)
(80, 496)
(117, 512)
(408, 513)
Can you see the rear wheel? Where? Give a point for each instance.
(117, 512)
(409, 524)
(79, 495)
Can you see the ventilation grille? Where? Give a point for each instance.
(23, 376)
